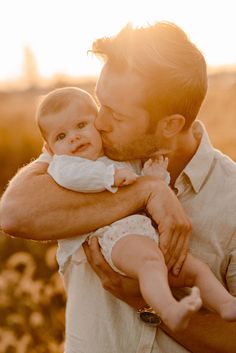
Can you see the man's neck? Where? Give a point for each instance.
(186, 146)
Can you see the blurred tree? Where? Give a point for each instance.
(30, 69)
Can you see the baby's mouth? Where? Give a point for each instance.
(80, 148)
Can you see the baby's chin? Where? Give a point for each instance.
(117, 155)
(101, 153)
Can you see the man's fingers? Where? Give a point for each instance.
(94, 255)
(164, 245)
(166, 231)
(179, 250)
(110, 279)
(176, 250)
(89, 253)
(96, 259)
(174, 242)
(179, 263)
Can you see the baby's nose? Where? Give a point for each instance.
(74, 136)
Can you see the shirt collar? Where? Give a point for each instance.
(199, 166)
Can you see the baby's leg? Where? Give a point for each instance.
(140, 257)
(214, 295)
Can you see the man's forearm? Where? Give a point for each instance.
(207, 333)
(35, 207)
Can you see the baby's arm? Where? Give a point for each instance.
(157, 167)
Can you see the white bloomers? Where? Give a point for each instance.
(109, 235)
(137, 224)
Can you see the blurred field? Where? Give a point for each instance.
(32, 298)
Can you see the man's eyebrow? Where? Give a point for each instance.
(105, 105)
(113, 110)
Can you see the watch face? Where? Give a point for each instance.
(150, 318)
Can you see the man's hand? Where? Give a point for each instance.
(124, 288)
(173, 225)
(206, 332)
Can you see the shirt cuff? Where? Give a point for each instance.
(44, 157)
(109, 179)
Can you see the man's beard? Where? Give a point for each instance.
(138, 149)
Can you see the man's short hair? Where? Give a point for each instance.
(172, 67)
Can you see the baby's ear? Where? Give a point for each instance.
(47, 149)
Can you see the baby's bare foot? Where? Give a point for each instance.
(178, 317)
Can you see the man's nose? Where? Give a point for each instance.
(103, 120)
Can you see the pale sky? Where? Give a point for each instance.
(60, 32)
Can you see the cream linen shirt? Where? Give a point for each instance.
(97, 322)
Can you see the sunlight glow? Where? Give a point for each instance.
(59, 32)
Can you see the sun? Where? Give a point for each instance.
(59, 33)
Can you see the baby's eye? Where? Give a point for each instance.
(82, 125)
(61, 136)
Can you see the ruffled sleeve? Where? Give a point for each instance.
(82, 175)
(44, 157)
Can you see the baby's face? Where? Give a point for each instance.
(72, 131)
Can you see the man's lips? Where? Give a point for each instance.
(81, 148)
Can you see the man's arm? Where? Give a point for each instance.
(35, 207)
(207, 333)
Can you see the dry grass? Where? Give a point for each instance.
(32, 298)
(219, 112)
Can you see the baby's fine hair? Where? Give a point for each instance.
(58, 99)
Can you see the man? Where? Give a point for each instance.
(151, 88)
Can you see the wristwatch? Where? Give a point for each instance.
(149, 316)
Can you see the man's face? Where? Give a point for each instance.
(123, 122)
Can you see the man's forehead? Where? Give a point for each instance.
(120, 87)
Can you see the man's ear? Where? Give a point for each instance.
(172, 125)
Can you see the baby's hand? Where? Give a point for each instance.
(156, 167)
(124, 176)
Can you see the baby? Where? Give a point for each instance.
(66, 120)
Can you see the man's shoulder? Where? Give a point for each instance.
(225, 179)
(225, 165)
